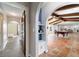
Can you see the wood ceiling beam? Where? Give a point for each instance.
(55, 22)
(71, 19)
(71, 14)
(60, 18)
(50, 19)
(66, 15)
(67, 19)
(53, 15)
(67, 7)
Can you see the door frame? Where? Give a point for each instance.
(23, 19)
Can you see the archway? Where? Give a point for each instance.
(68, 19)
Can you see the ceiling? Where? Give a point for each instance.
(67, 13)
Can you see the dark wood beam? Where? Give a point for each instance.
(70, 14)
(66, 19)
(71, 19)
(56, 16)
(53, 15)
(67, 7)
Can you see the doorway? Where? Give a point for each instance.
(16, 36)
(14, 45)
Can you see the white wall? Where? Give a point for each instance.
(12, 28)
(32, 29)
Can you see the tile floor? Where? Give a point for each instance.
(63, 47)
(13, 49)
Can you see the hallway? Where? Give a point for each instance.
(13, 49)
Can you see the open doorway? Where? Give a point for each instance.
(14, 40)
(12, 29)
(16, 45)
(16, 36)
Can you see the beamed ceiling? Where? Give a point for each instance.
(67, 13)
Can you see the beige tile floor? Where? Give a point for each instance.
(63, 47)
(13, 49)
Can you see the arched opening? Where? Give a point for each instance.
(61, 27)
